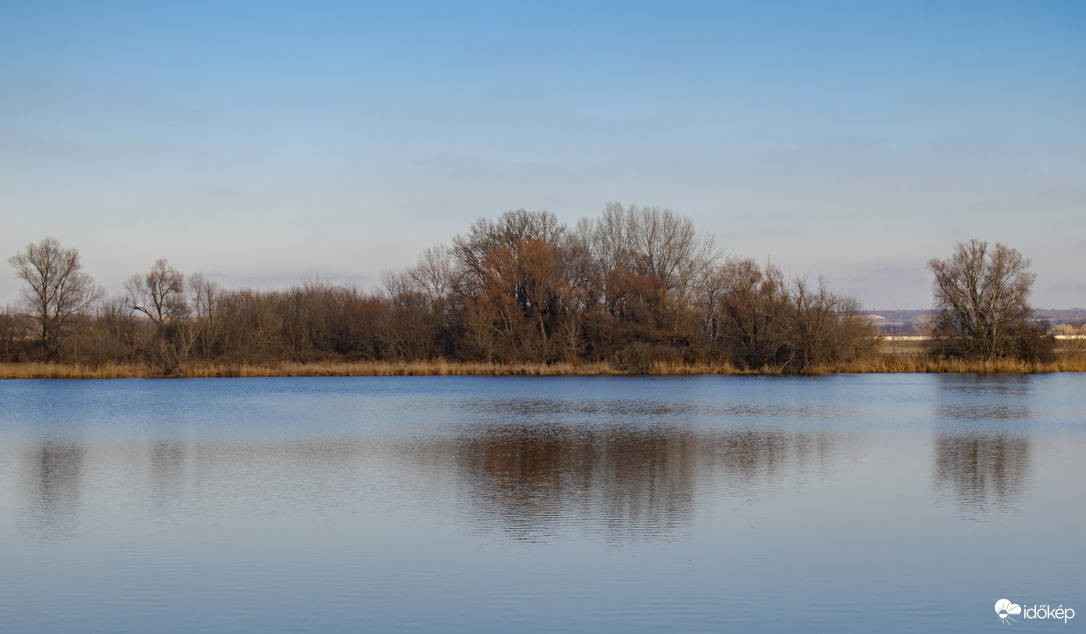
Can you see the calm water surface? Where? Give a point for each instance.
(467, 504)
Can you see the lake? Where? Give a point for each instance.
(496, 504)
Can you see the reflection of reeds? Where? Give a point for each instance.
(889, 363)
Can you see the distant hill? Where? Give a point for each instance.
(903, 322)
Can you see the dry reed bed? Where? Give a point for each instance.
(902, 363)
(39, 370)
(395, 368)
(879, 364)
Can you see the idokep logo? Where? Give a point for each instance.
(1005, 610)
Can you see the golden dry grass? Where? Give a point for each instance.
(40, 370)
(37, 370)
(393, 368)
(880, 363)
(914, 363)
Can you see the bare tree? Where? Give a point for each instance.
(116, 327)
(56, 290)
(654, 242)
(10, 333)
(413, 327)
(982, 303)
(825, 327)
(488, 236)
(159, 293)
(206, 297)
(437, 275)
(646, 267)
(514, 267)
(748, 311)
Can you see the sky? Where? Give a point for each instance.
(266, 143)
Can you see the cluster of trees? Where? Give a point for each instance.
(634, 286)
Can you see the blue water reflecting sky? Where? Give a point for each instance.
(841, 503)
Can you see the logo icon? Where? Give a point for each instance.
(1004, 609)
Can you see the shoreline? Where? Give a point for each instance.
(884, 364)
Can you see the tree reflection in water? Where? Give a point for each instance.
(980, 470)
(535, 481)
(53, 471)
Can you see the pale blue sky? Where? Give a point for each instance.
(268, 142)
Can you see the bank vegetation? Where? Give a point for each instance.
(638, 290)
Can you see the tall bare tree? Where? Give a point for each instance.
(982, 302)
(206, 297)
(655, 242)
(56, 290)
(159, 293)
(511, 270)
(488, 236)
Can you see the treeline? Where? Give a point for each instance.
(633, 287)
